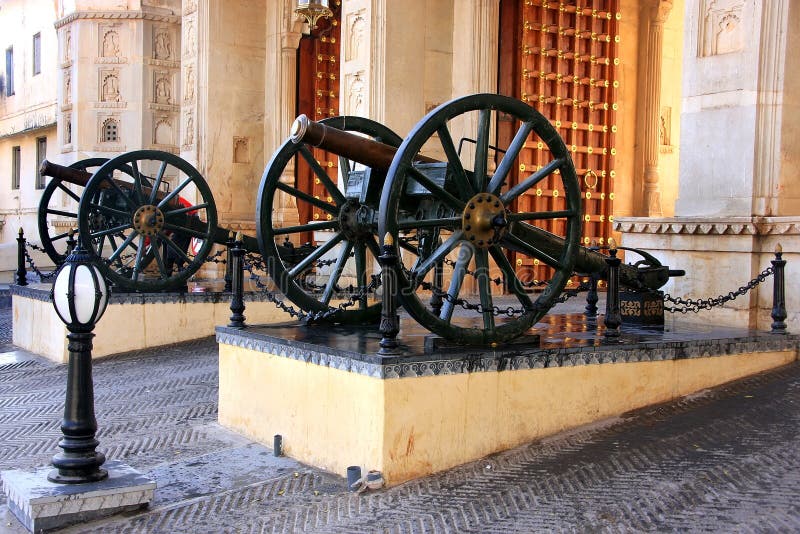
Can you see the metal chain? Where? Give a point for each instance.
(694, 306)
(29, 260)
(257, 263)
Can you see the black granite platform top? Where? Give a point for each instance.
(205, 292)
(563, 340)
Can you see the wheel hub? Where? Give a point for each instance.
(484, 220)
(148, 220)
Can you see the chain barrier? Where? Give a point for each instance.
(253, 262)
(29, 260)
(694, 306)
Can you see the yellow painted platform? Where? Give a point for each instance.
(131, 321)
(336, 403)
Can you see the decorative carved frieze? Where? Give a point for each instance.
(707, 226)
(117, 15)
(108, 85)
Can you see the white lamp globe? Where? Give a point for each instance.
(80, 293)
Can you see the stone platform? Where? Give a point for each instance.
(132, 321)
(336, 402)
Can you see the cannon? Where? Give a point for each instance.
(441, 206)
(150, 220)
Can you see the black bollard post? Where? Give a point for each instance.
(613, 319)
(71, 241)
(390, 321)
(228, 263)
(22, 279)
(237, 284)
(590, 311)
(778, 294)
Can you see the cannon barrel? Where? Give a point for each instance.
(379, 156)
(81, 178)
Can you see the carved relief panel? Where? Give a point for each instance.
(721, 30)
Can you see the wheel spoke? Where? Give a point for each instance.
(456, 280)
(484, 288)
(336, 273)
(514, 243)
(321, 204)
(175, 248)
(137, 182)
(417, 175)
(450, 223)
(532, 180)
(510, 158)
(68, 191)
(539, 215)
(128, 240)
(181, 211)
(138, 260)
(109, 211)
(512, 282)
(314, 256)
(108, 231)
(156, 248)
(459, 174)
(157, 184)
(62, 213)
(309, 227)
(441, 251)
(326, 181)
(344, 167)
(59, 236)
(361, 272)
(482, 149)
(172, 194)
(185, 230)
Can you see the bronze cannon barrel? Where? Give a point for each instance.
(379, 156)
(81, 178)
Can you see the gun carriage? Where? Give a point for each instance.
(441, 206)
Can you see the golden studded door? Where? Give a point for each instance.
(318, 98)
(565, 64)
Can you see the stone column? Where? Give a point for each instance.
(652, 32)
(283, 39)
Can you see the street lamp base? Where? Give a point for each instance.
(63, 476)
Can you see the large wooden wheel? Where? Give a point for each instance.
(326, 278)
(470, 227)
(58, 214)
(135, 209)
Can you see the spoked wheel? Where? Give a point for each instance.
(465, 224)
(326, 279)
(58, 213)
(146, 205)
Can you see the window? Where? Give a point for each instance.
(9, 71)
(41, 154)
(110, 131)
(15, 164)
(37, 54)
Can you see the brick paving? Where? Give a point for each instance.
(725, 460)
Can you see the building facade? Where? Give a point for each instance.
(678, 117)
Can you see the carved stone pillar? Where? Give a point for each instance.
(654, 16)
(283, 38)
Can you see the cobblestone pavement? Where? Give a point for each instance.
(725, 460)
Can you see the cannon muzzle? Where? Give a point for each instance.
(65, 174)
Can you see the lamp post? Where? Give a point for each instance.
(80, 296)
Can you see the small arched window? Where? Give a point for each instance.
(110, 133)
